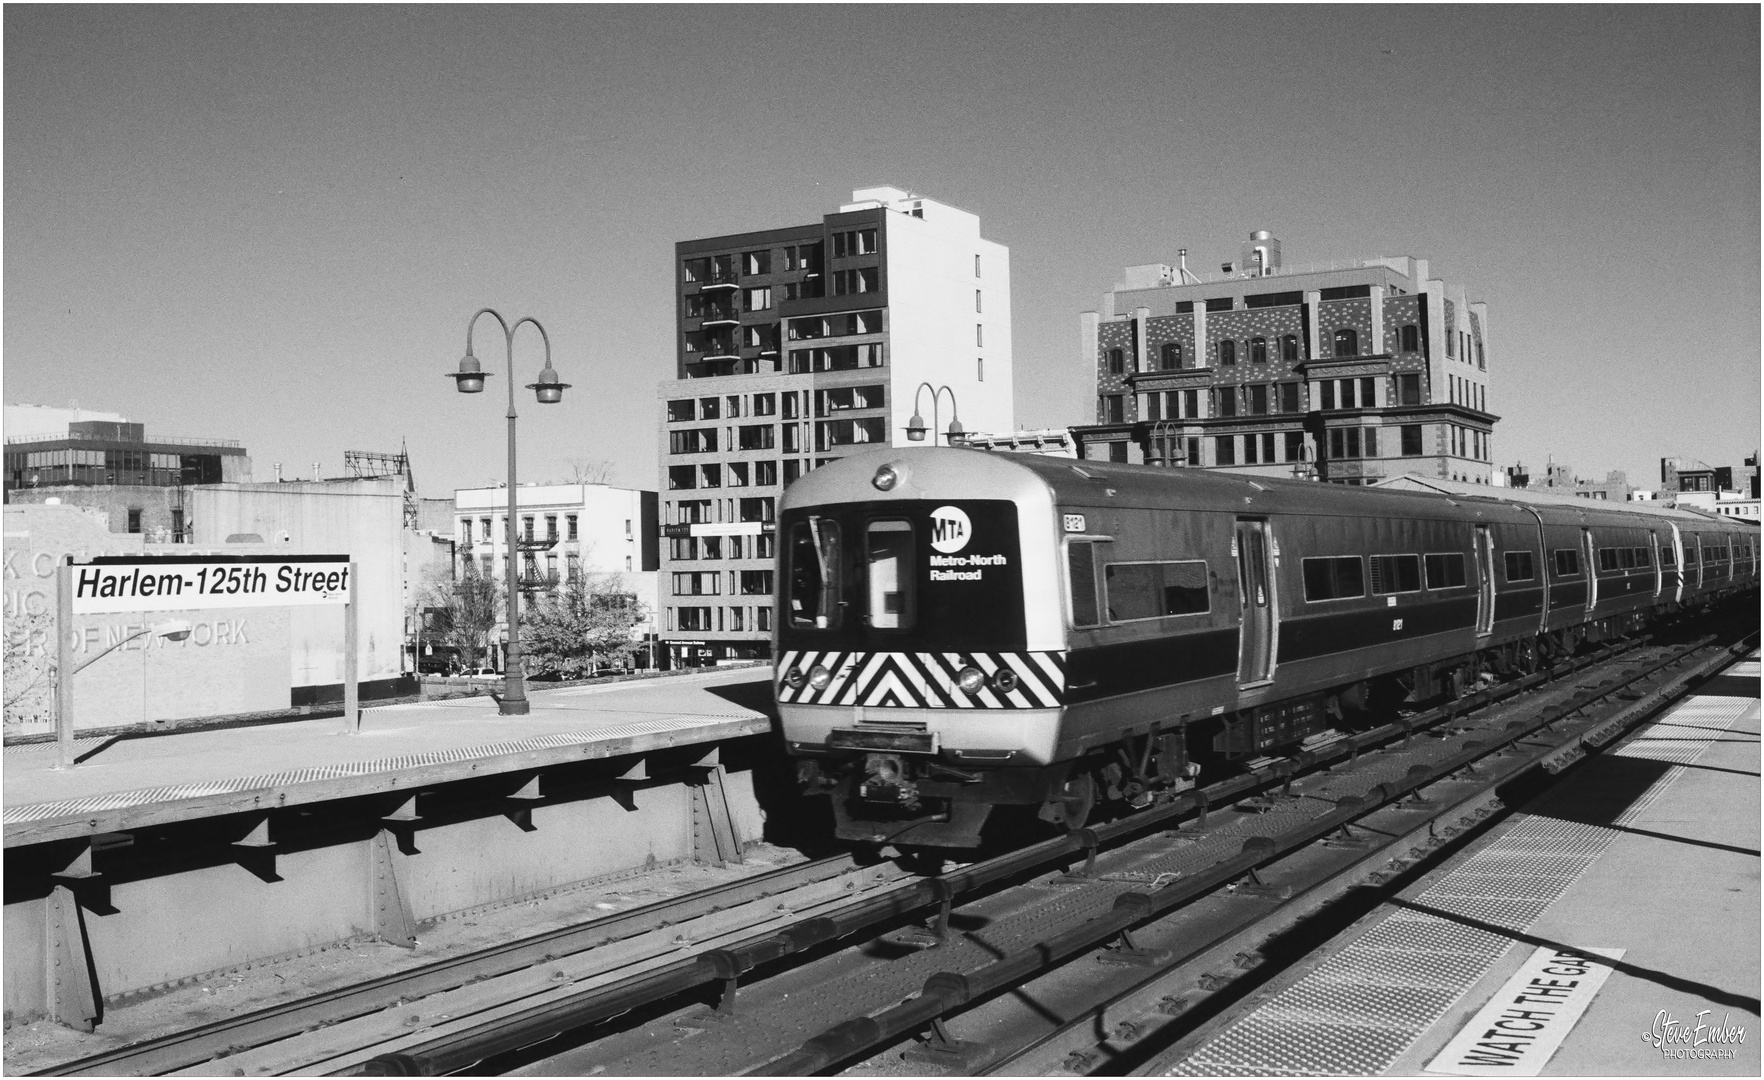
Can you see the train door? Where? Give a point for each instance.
(1255, 598)
(1485, 581)
(1675, 577)
(1592, 569)
(1659, 571)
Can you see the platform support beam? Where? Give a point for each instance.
(73, 1000)
(714, 839)
(393, 922)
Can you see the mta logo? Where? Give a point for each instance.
(950, 529)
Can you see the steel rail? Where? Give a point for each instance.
(186, 1048)
(1418, 842)
(467, 1046)
(946, 991)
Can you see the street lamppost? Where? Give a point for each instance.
(66, 669)
(470, 380)
(916, 426)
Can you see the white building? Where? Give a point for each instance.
(796, 346)
(565, 530)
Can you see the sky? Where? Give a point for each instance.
(272, 224)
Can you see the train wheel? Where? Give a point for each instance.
(1071, 807)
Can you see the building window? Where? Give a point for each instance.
(846, 282)
(976, 300)
(1225, 449)
(1149, 408)
(979, 336)
(1295, 446)
(1225, 401)
(1289, 352)
(1191, 404)
(1408, 389)
(1481, 361)
(759, 299)
(1249, 450)
(570, 528)
(1118, 452)
(765, 473)
(1347, 342)
(1227, 353)
(1222, 303)
(756, 436)
(1117, 362)
(134, 521)
(1258, 350)
(527, 527)
(976, 266)
(1170, 354)
(1289, 397)
(1114, 408)
(1258, 400)
(1411, 335)
(757, 262)
(551, 526)
(979, 369)
(1411, 438)
(682, 409)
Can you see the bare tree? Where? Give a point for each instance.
(590, 470)
(463, 612)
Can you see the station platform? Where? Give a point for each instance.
(132, 782)
(1611, 927)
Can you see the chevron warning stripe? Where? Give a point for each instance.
(922, 680)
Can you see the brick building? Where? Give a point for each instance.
(1345, 372)
(797, 346)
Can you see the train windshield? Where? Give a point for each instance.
(866, 576)
(891, 574)
(814, 574)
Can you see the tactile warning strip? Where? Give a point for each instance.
(342, 770)
(1362, 1008)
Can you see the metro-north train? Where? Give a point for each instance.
(959, 630)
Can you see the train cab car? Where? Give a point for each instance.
(958, 630)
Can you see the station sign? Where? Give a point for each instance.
(177, 582)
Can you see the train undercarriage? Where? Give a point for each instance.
(916, 800)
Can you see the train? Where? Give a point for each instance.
(958, 630)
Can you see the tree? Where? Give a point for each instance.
(590, 470)
(466, 610)
(589, 622)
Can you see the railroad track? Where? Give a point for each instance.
(525, 993)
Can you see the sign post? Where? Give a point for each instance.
(63, 664)
(131, 583)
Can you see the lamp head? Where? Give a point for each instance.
(548, 389)
(916, 428)
(470, 376)
(175, 630)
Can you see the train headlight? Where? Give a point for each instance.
(1004, 680)
(819, 677)
(794, 678)
(970, 679)
(885, 478)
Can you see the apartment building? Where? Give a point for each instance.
(1344, 372)
(563, 530)
(796, 346)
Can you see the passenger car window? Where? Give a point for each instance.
(1395, 574)
(1081, 566)
(1519, 567)
(1337, 578)
(1445, 570)
(1155, 590)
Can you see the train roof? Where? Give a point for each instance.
(1685, 518)
(1083, 482)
